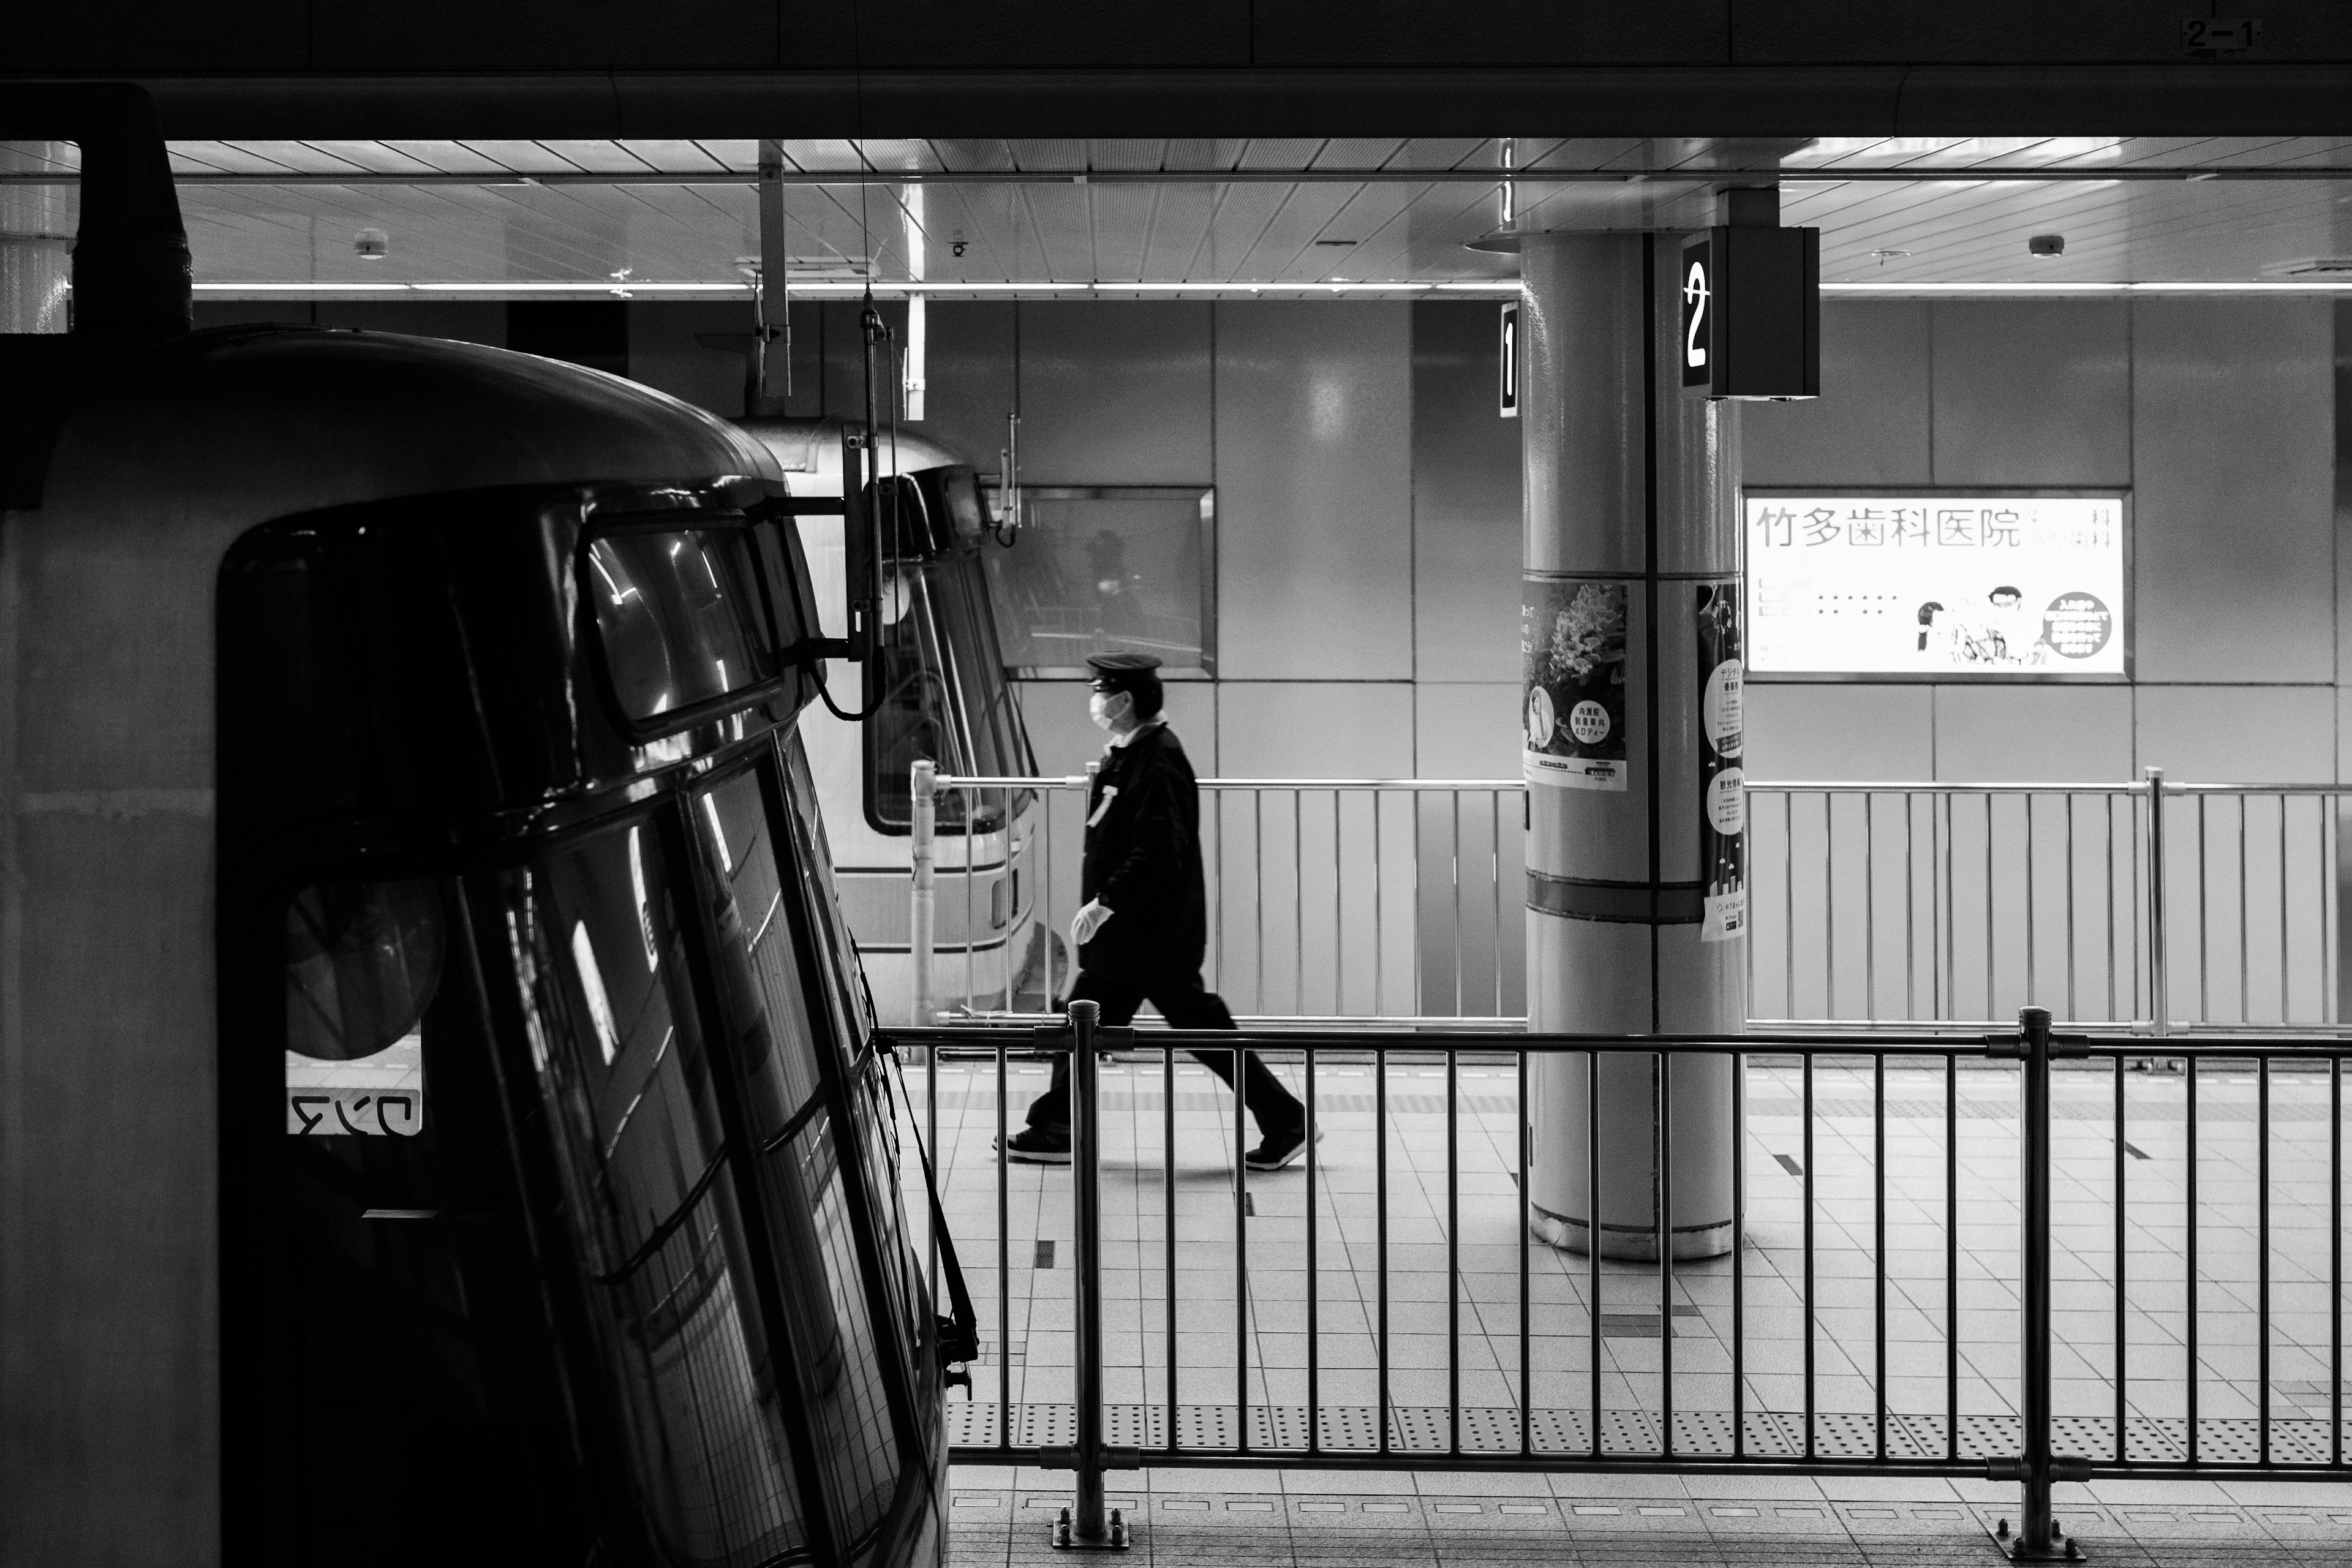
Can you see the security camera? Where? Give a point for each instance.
(2047, 245)
(372, 245)
(956, 249)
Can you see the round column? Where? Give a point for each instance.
(36, 241)
(1631, 736)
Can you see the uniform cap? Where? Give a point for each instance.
(1123, 671)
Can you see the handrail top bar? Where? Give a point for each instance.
(1803, 786)
(1074, 781)
(1385, 1042)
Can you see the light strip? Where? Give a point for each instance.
(829, 289)
(2060, 291)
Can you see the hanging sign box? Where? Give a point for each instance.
(1751, 314)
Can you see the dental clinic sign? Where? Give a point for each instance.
(1982, 584)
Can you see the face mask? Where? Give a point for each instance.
(1099, 708)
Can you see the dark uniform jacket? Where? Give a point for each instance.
(1143, 862)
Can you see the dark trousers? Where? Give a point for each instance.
(1185, 1005)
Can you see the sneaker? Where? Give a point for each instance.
(1038, 1146)
(1279, 1149)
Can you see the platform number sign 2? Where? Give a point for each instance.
(1698, 313)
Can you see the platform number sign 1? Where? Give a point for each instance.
(1509, 343)
(1698, 313)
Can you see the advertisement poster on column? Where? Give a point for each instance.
(1982, 586)
(1572, 696)
(1722, 779)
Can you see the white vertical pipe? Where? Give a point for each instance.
(926, 895)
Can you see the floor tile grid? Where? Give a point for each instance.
(1841, 1160)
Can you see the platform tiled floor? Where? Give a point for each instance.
(1273, 1518)
(1465, 1353)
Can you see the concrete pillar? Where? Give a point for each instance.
(36, 240)
(1630, 736)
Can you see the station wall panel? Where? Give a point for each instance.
(2237, 735)
(1839, 732)
(1467, 481)
(665, 354)
(2233, 514)
(1870, 425)
(1314, 491)
(1994, 735)
(1116, 393)
(2032, 391)
(972, 378)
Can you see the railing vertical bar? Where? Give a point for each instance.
(1740, 1256)
(1297, 902)
(1419, 1007)
(971, 798)
(1012, 878)
(1951, 1255)
(1257, 888)
(2159, 943)
(1664, 1198)
(1810, 1319)
(1526, 1314)
(2032, 984)
(2107, 917)
(1495, 886)
(2245, 948)
(1910, 906)
(1454, 859)
(2204, 921)
(1991, 951)
(931, 1140)
(1043, 899)
(1314, 1275)
(1948, 983)
(2263, 1252)
(2068, 800)
(1789, 902)
(1241, 1252)
(1869, 907)
(1878, 1237)
(1004, 1269)
(1089, 1523)
(1340, 908)
(1829, 905)
(1217, 891)
(1453, 1250)
(2286, 947)
(2122, 1259)
(1380, 1224)
(1592, 1232)
(2189, 1249)
(1168, 1226)
(1380, 914)
(2335, 1261)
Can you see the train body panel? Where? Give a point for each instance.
(305, 622)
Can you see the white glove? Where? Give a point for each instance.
(1088, 921)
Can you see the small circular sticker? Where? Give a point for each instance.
(1727, 802)
(2077, 625)
(1540, 719)
(1589, 723)
(1721, 711)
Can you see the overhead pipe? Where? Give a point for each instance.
(131, 273)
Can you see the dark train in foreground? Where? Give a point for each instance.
(442, 1119)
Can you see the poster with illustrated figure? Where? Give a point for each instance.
(1572, 694)
(1966, 586)
(1722, 778)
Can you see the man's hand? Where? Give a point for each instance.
(1088, 921)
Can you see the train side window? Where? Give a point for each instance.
(682, 618)
(593, 937)
(757, 959)
(774, 1027)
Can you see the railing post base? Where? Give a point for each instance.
(1083, 1526)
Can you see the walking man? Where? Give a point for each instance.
(1143, 929)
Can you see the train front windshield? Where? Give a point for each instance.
(941, 689)
(591, 1228)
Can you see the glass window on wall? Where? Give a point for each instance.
(593, 936)
(1098, 569)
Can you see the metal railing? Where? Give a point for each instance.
(1329, 899)
(2151, 906)
(1894, 1306)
